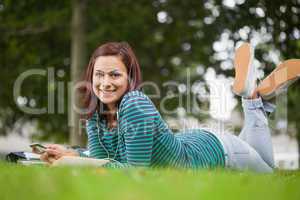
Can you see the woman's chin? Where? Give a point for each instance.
(107, 100)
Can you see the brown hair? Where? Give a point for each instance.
(125, 52)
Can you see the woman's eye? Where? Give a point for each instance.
(115, 75)
(99, 74)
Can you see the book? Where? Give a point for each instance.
(31, 162)
(32, 156)
(79, 161)
(28, 158)
(23, 156)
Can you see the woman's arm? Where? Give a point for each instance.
(138, 118)
(56, 151)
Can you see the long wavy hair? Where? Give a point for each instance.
(91, 102)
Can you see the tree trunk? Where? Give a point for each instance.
(298, 151)
(78, 62)
(298, 142)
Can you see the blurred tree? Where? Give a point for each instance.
(278, 23)
(78, 62)
(34, 35)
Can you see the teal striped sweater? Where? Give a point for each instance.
(145, 139)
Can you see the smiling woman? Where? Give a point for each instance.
(124, 126)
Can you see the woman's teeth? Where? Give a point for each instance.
(107, 92)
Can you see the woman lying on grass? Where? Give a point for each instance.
(126, 128)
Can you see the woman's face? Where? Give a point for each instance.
(110, 80)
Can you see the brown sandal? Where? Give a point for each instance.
(245, 77)
(280, 78)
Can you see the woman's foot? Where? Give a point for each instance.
(282, 76)
(245, 75)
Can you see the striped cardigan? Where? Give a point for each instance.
(144, 139)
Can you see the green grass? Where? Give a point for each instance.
(42, 182)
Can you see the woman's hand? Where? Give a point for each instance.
(55, 152)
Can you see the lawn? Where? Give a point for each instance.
(42, 182)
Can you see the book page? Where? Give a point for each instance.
(79, 161)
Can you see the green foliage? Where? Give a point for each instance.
(34, 34)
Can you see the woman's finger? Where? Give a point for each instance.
(45, 157)
(51, 159)
(53, 146)
(54, 153)
(57, 147)
(48, 158)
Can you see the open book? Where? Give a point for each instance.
(28, 158)
(79, 161)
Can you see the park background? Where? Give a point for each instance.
(188, 44)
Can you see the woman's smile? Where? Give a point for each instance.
(107, 92)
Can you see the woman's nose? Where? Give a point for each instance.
(106, 81)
